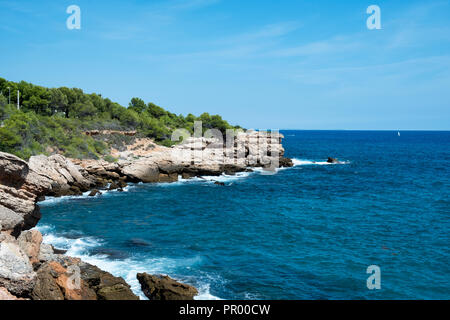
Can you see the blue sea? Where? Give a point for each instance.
(307, 232)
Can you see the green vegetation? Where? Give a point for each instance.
(53, 120)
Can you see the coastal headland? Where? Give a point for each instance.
(31, 269)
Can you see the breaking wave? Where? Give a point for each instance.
(82, 247)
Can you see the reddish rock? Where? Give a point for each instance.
(5, 295)
(30, 242)
(54, 282)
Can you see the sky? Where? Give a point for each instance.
(286, 64)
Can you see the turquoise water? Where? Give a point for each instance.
(308, 232)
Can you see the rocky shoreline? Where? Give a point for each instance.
(30, 269)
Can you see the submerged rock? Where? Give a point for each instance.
(165, 288)
(136, 242)
(94, 193)
(113, 186)
(332, 160)
(286, 162)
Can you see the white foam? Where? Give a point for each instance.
(227, 178)
(125, 268)
(55, 200)
(205, 294)
(303, 162)
(209, 179)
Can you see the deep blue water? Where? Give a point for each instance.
(308, 232)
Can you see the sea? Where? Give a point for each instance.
(314, 231)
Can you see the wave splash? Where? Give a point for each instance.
(85, 195)
(128, 268)
(304, 162)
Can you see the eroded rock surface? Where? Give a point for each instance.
(165, 288)
(16, 271)
(105, 285)
(32, 269)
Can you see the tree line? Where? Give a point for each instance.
(52, 119)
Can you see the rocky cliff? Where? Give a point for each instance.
(30, 269)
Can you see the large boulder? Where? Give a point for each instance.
(61, 173)
(141, 171)
(20, 187)
(165, 288)
(23, 203)
(105, 285)
(13, 170)
(16, 271)
(9, 220)
(286, 162)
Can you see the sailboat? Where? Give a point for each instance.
(399, 133)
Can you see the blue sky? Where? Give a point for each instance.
(261, 64)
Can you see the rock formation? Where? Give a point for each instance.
(332, 160)
(165, 288)
(31, 269)
(194, 157)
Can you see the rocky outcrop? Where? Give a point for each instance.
(332, 160)
(19, 189)
(194, 157)
(22, 184)
(32, 269)
(65, 177)
(286, 163)
(16, 271)
(29, 269)
(13, 170)
(105, 285)
(165, 288)
(9, 219)
(94, 192)
(55, 282)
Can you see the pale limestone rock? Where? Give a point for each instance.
(13, 170)
(9, 220)
(30, 242)
(143, 171)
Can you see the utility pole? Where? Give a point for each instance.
(9, 101)
(18, 94)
